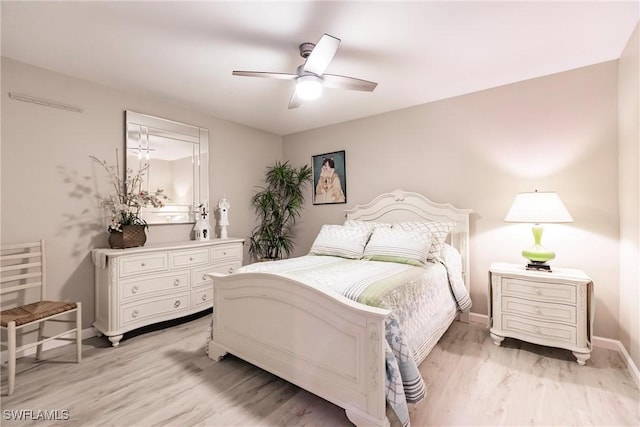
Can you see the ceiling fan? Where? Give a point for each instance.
(310, 77)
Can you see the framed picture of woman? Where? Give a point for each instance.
(329, 178)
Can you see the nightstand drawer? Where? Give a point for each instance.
(539, 310)
(538, 332)
(541, 291)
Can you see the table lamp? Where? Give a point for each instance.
(538, 207)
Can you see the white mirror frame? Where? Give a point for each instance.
(146, 134)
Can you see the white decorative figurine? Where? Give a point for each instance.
(202, 229)
(223, 207)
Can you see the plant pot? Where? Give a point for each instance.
(132, 236)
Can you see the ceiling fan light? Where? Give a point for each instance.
(309, 87)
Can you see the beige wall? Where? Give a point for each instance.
(477, 151)
(629, 187)
(49, 183)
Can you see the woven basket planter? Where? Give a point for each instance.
(132, 236)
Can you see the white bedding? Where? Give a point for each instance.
(421, 300)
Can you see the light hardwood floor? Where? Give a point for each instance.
(163, 378)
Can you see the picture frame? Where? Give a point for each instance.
(329, 178)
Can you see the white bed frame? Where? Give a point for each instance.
(317, 339)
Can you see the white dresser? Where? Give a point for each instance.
(140, 286)
(555, 308)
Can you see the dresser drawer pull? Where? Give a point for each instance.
(224, 253)
(142, 264)
(204, 297)
(176, 304)
(537, 310)
(536, 330)
(134, 289)
(538, 291)
(230, 270)
(190, 258)
(204, 276)
(134, 313)
(176, 282)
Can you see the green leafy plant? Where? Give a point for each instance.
(124, 204)
(278, 205)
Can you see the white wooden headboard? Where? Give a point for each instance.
(401, 205)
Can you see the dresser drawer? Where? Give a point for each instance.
(199, 275)
(541, 291)
(156, 307)
(539, 310)
(203, 297)
(144, 286)
(224, 267)
(539, 332)
(141, 264)
(226, 251)
(188, 258)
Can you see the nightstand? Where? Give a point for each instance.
(548, 308)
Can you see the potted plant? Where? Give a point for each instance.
(277, 206)
(126, 228)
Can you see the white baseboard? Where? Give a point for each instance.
(616, 345)
(599, 342)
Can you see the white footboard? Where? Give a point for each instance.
(323, 342)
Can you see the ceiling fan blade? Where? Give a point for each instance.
(322, 54)
(295, 101)
(281, 76)
(343, 82)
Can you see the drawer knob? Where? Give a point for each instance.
(134, 313)
(190, 258)
(142, 264)
(134, 289)
(224, 253)
(538, 291)
(204, 276)
(204, 297)
(536, 310)
(176, 304)
(230, 270)
(176, 282)
(537, 330)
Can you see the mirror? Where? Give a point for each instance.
(178, 159)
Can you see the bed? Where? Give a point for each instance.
(275, 316)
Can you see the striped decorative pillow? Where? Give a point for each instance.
(402, 246)
(439, 231)
(340, 241)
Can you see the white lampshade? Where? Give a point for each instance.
(538, 207)
(309, 87)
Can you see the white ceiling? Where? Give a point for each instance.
(418, 52)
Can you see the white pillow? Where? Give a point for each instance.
(401, 246)
(340, 241)
(439, 231)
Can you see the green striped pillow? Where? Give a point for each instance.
(401, 246)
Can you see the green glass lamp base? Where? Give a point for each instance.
(537, 253)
